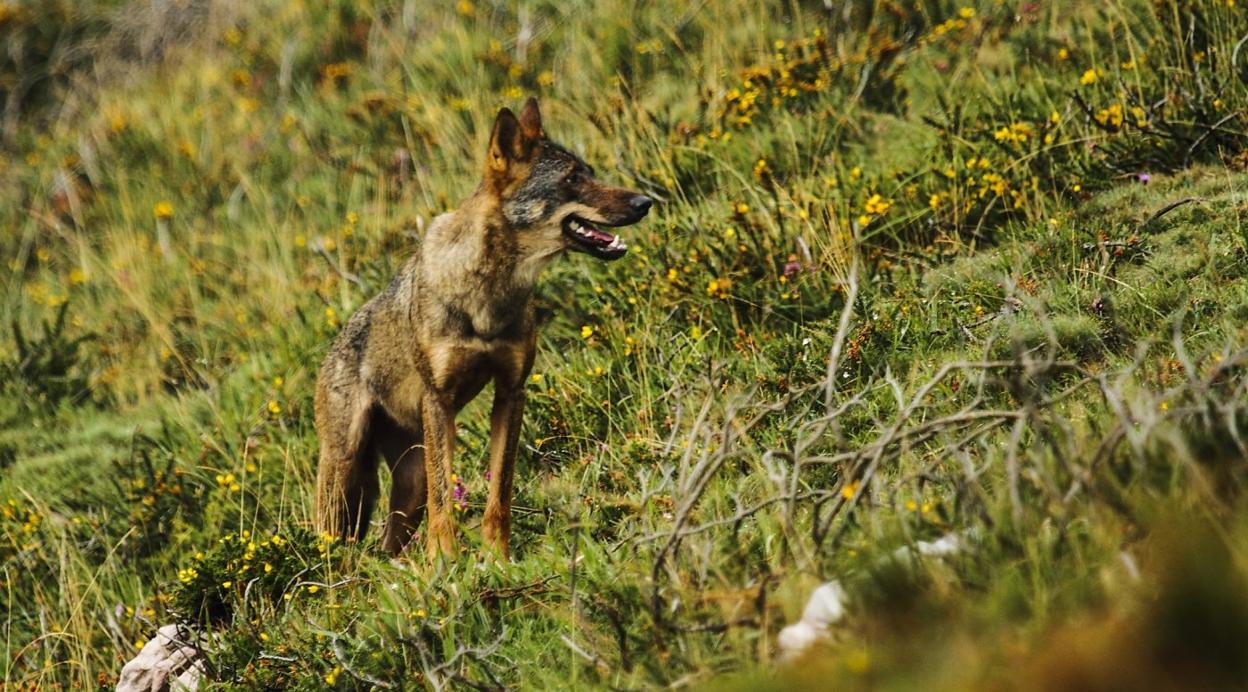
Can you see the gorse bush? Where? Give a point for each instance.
(44, 53)
(160, 498)
(47, 368)
(245, 577)
(914, 269)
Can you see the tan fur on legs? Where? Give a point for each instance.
(505, 423)
(439, 419)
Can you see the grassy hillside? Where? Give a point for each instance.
(916, 268)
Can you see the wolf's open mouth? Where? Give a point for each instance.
(590, 239)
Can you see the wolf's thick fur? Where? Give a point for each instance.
(458, 315)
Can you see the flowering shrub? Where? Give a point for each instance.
(160, 497)
(244, 574)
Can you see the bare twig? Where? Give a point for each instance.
(1167, 209)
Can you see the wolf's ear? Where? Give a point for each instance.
(531, 120)
(505, 145)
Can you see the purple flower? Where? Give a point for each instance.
(1144, 178)
(792, 268)
(459, 494)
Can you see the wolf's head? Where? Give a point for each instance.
(549, 196)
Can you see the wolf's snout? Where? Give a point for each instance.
(640, 204)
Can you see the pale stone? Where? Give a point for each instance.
(168, 662)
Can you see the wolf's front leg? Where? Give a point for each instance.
(505, 423)
(438, 414)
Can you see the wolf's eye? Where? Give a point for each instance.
(575, 178)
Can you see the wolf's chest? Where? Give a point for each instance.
(484, 317)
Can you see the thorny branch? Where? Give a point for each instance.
(954, 417)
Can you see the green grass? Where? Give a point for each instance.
(1038, 350)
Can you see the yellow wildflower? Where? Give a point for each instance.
(876, 205)
(1111, 117)
(1016, 133)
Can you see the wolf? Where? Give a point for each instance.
(458, 316)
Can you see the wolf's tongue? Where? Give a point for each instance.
(600, 236)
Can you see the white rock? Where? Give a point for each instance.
(167, 662)
(948, 544)
(796, 638)
(826, 605)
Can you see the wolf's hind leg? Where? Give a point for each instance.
(346, 478)
(404, 453)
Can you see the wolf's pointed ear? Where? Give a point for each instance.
(505, 140)
(531, 120)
